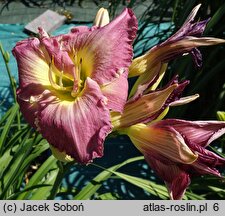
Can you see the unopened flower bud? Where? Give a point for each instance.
(102, 17)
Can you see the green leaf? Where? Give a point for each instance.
(221, 115)
(217, 152)
(192, 196)
(63, 168)
(216, 18)
(6, 56)
(91, 188)
(6, 115)
(21, 160)
(7, 126)
(16, 137)
(11, 172)
(216, 189)
(43, 193)
(147, 185)
(15, 196)
(108, 196)
(38, 177)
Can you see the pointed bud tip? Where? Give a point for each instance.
(184, 100)
(102, 17)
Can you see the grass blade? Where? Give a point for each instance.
(7, 126)
(96, 183)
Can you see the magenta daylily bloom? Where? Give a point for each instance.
(184, 41)
(69, 84)
(176, 150)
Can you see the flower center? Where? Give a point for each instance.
(73, 82)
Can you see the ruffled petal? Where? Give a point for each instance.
(175, 179)
(164, 141)
(77, 128)
(197, 132)
(33, 76)
(28, 98)
(56, 53)
(100, 48)
(32, 66)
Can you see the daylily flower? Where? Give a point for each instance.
(151, 106)
(69, 84)
(176, 150)
(151, 66)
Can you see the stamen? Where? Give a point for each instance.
(53, 83)
(61, 76)
(60, 79)
(50, 77)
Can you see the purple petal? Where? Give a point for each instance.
(207, 161)
(198, 132)
(104, 51)
(184, 41)
(32, 66)
(54, 47)
(78, 127)
(190, 28)
(80, 29)
(28, 98)
(176, 180)
(192, 14)
(203, 169)
(197, 57)
(146, 80)
(208, 157)
(164, 141)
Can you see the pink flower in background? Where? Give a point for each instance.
(68, 84)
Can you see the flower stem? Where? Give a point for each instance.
(6, 58)
(63, 168)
